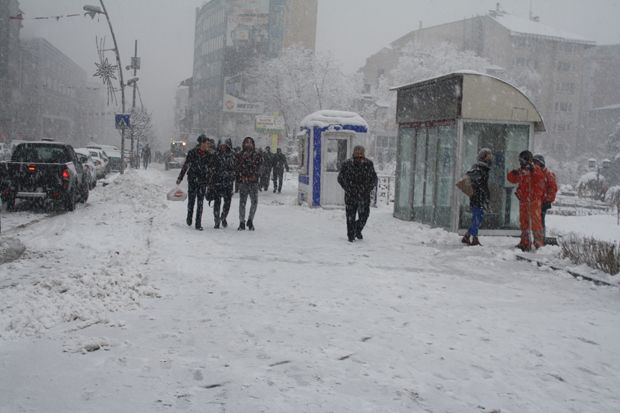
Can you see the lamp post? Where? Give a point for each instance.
(92, 11)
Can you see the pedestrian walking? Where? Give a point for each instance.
(551, 189)
(223, 181)
(248, 166)
(196, 167)
(146, 156)
(265, 168)
(279, 164)
(479, 201)
(358, 178)
(530, 180)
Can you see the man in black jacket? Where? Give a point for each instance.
(223, 182)
(358, 178)
(479, 201)
(279, 164)
(196, 166)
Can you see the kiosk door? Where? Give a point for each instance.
(336, 149)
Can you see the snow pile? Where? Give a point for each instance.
(10, 249)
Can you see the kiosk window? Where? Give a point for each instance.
(336, 154)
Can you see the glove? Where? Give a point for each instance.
(515, 171)
(179, 181)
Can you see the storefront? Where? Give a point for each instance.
(443, 123)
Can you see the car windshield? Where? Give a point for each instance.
(41, 153)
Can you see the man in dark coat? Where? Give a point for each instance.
(196, 167)
(479, 201)
(358, 178)
(146, 156)
(223, 182)
(265, 169)
(248, 166)
(279, 164)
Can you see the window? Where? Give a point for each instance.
(302, 143)
(336, 154)
(563, 107)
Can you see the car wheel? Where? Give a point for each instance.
(70, 201)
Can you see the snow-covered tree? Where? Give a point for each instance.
(300, 82)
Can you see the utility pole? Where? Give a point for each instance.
(135, 65)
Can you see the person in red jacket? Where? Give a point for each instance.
(530, 180)
(551, 188)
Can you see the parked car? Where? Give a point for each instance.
(89, 165)
(101, 162)
(47, 171)
(112, 153)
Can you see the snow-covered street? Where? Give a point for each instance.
(120, 306)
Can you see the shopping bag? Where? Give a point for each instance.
(464, 184)
(177, 194)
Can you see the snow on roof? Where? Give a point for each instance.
(520, 25)
(325, 118)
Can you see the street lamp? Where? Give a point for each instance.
(92, 11)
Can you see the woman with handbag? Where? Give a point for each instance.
(479, 200)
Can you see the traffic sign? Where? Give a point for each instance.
(122, 121)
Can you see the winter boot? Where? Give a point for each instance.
(241, 226)
(466, 239)
(224, 223)
(250, 225)
(474, 241)
(199, 228)
(188, 220)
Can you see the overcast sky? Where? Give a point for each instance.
(351, 29)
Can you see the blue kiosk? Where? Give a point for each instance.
(326, 139)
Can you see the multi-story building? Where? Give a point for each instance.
(602, 96)
(229, 35)
(53, 94)
(10, 25)
(514, 46)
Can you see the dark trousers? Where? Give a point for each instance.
(264, 181)
(278, 176)
(246, 189)
(358, 210)
(196, 194)
(227, 197)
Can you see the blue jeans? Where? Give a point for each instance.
(477, 214)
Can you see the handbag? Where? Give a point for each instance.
(464, 184)
(176, 194)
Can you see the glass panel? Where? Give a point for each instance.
(420, 168)
(445, 177)
(336, 154)
(302, 143)
(431, 166)
(405, 171)
(505, 141)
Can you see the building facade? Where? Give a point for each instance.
(9, 67)
(229, 35)
(550, 63)
(52, 95)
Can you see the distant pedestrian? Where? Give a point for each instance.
(146, 156)
(196, 167)
(279, 164)
(358, 178)
(248, 166)
(265, 168)
(479, 201)
(551, 188)
(223, 182)
(530, 180)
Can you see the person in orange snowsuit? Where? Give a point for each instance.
(551, 188)
(530, 180)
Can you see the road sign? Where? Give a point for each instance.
(122, 121)
(267, 123)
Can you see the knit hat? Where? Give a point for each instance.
(540, 159)
(202, 138)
